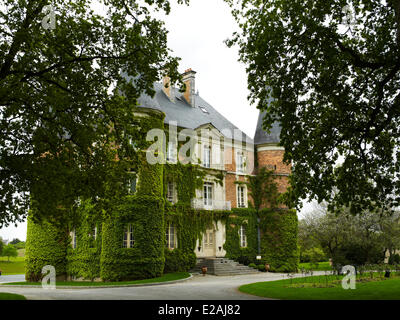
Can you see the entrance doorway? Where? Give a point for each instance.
(209, 243)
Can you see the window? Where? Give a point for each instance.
(203, 109)
(240, 163)
(242, 236)
(93, 232)
(241, 202)
(207, 196)
(216, 154)
(92, 236)
(73, 237)
(206, 156)
(132, 182)
(128, 240)
(170, 191)
(171, 154)
(170, 236)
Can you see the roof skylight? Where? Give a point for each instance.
(203, 109)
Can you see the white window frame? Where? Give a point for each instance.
(171, 154)
(171, 191)
(240, 162)
(206, 156)
(208, 190)
(128, 240)
(241, 196)
(242, 236)
(171, 236)
(73, 237)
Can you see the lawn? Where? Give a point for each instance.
(313, 288)
(322, 266)
(164, 278)
(14, 266)
(11, 296)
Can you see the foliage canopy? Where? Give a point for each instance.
(60, 115)
(332, 69)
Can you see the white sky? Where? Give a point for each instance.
(196, 34)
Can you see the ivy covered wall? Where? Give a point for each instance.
(241, 217)
(279, 239)
(45, 245)
(84, 260)
(149, 213)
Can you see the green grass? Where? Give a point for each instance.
(11, 296)
(14, 266)
(164, 278)
(322, 266)
(303, 289)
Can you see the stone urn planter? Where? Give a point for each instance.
(204, 270)
(267, 267)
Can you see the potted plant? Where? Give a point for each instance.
(204, 270)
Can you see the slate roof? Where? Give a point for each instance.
(261, 136)
(184, 114)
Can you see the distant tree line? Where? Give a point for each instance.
(365, 238)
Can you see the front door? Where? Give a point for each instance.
(209, 243)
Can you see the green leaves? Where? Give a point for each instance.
(335, 88)
(61, 117)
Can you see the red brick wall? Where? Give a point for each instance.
(274, 158)
(230, 188)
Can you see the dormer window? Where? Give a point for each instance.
(207, 156)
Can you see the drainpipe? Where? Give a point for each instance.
(258, 236)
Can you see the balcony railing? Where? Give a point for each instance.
(211, 205)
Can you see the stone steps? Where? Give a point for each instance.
(222, 267)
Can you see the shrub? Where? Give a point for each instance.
(313, 255)
(394, 259)
(261, 267)
(252, 265)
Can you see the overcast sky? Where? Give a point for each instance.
(196, 35)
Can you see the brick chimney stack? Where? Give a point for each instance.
(188, 78)
(167, 88)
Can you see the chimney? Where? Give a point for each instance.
(188, 78)
(167, 88)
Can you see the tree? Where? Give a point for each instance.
(332, 69)
(15, 241)
(9, 251)
(1, 245)
(61, 116)
(353, 239)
